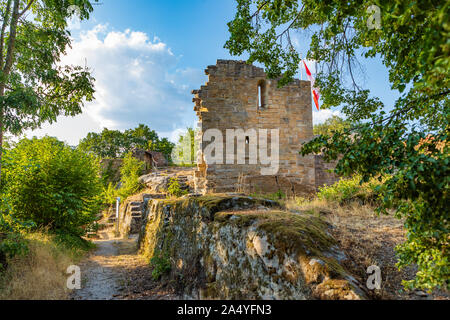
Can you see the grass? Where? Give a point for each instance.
(367, 239)
(41, 274)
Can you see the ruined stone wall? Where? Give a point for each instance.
(324, 176)
(229, 100)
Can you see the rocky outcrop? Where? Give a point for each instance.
(238, 247)
(131, 212)
(159, 183)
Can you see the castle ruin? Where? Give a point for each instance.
(239, 96)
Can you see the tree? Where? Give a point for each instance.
(164, 146)
(408, 145)
(141, 137)
(333, 124)
(116, 144)
(34, 87)
(107, 144)
(185, 151)
(51, 184)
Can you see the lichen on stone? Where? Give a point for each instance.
(232, 249)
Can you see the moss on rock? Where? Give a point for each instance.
(236, 247)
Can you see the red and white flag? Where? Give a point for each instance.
(315, 91)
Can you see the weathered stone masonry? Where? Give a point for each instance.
(230, 100)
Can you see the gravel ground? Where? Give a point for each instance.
(114, 271)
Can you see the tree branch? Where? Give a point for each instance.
(292, 23)
(12, 39)
(26, 8)
(258, 9)
(2, 35)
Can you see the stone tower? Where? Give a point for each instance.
(239, 96)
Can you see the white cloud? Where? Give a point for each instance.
(322, 115)
(137, 81)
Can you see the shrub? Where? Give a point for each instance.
(174, 188)
(12, 242)
(347, 190)
(130, 171)
(110, 193)
(161, 264)
(51, 184)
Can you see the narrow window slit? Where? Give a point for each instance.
(261, 94)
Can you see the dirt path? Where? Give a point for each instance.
(114, 271)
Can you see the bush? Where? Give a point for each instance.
(174, 188)
(12, 242)
(347, 190)
(130, 171)
(161, 264)
(51, 184)
(129, 184)
(110, 193)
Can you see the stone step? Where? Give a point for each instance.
(136, 203)
(109, 225)
(135, 208)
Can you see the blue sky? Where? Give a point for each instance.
(147, 56)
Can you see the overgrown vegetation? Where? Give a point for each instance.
(11, 238)
(160, 263)
(408, 145)
(331, 125)
(49, 183)
(40, 274)
(174, 189)
(34, 86)
(117, 144)
(129, 184)
(49, 186)
(185, 151)
(351, 189)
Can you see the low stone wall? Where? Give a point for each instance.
(236, 247)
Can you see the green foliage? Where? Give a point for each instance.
(129, 184)
(130, 171)
(116, 144)
(185, 151)
(174, 188)
(110, 194)
(412, 42)
(13, 244)
(12, 241)
(351, 189)
(331, 125)
(51, 184)
(160, 263)
(417, 176)
(72, 242)
(34, 86)
(108, 174)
